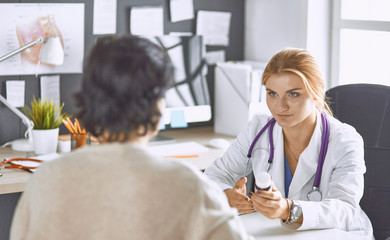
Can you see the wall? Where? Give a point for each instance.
(271, 25)
(11, 126)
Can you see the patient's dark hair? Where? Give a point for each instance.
(123, 79)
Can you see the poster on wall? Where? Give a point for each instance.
(23, 23)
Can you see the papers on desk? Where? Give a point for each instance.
(177, 149)
(44, 158)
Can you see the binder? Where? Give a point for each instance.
(238, 94)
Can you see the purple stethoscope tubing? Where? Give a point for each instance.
(270, 124)
(323, 150)
(314, 194)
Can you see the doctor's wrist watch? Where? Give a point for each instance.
(295, 213)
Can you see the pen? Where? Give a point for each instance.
(71, 125)
(181, 156)
(78, 125)
(68, 126)
(74, 128)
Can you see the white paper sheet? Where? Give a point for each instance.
(214, 27)
(65, 20)
(50, 88)
(183, 148)
(181, 10)
(148, 21)
(104, 16)
(15, 93)
(213, 57)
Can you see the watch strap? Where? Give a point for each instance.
(289, 223)
(295, 212)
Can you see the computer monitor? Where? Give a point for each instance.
(188, 101)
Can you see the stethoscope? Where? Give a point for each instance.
(314, 194)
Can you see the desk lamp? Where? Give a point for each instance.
(51, 52)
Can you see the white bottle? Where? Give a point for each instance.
(263, 182)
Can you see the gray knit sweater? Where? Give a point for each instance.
(119, 191)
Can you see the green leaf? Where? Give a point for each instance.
(45, 114)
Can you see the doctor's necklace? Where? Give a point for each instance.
(291, 152)
(292, 161)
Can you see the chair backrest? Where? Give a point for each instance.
(367, 108)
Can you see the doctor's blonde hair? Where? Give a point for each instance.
(301, 63)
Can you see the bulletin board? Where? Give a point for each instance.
(11, 126)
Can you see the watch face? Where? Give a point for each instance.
(296, 212)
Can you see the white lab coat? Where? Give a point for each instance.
(341, 183)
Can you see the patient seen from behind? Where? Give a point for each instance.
(117, 190)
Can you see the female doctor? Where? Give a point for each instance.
(315, 161)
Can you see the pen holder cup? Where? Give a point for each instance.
(80, 139)
(63, 143)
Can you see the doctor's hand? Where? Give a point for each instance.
(237, 197)
(271, 203)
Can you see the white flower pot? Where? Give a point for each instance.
(45, 141)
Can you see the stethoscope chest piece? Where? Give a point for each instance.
(314, 195)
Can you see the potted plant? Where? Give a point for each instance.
(47, 116)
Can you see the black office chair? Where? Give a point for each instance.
(367, 108)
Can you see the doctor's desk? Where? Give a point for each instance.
(13, 182)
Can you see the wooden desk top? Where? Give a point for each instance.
(14, 180)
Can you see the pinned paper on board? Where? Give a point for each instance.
(147, 21)
(181, 10)
(104, 16)
(214, 27)
(178, 119)
(15, 93)
(50, 88)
